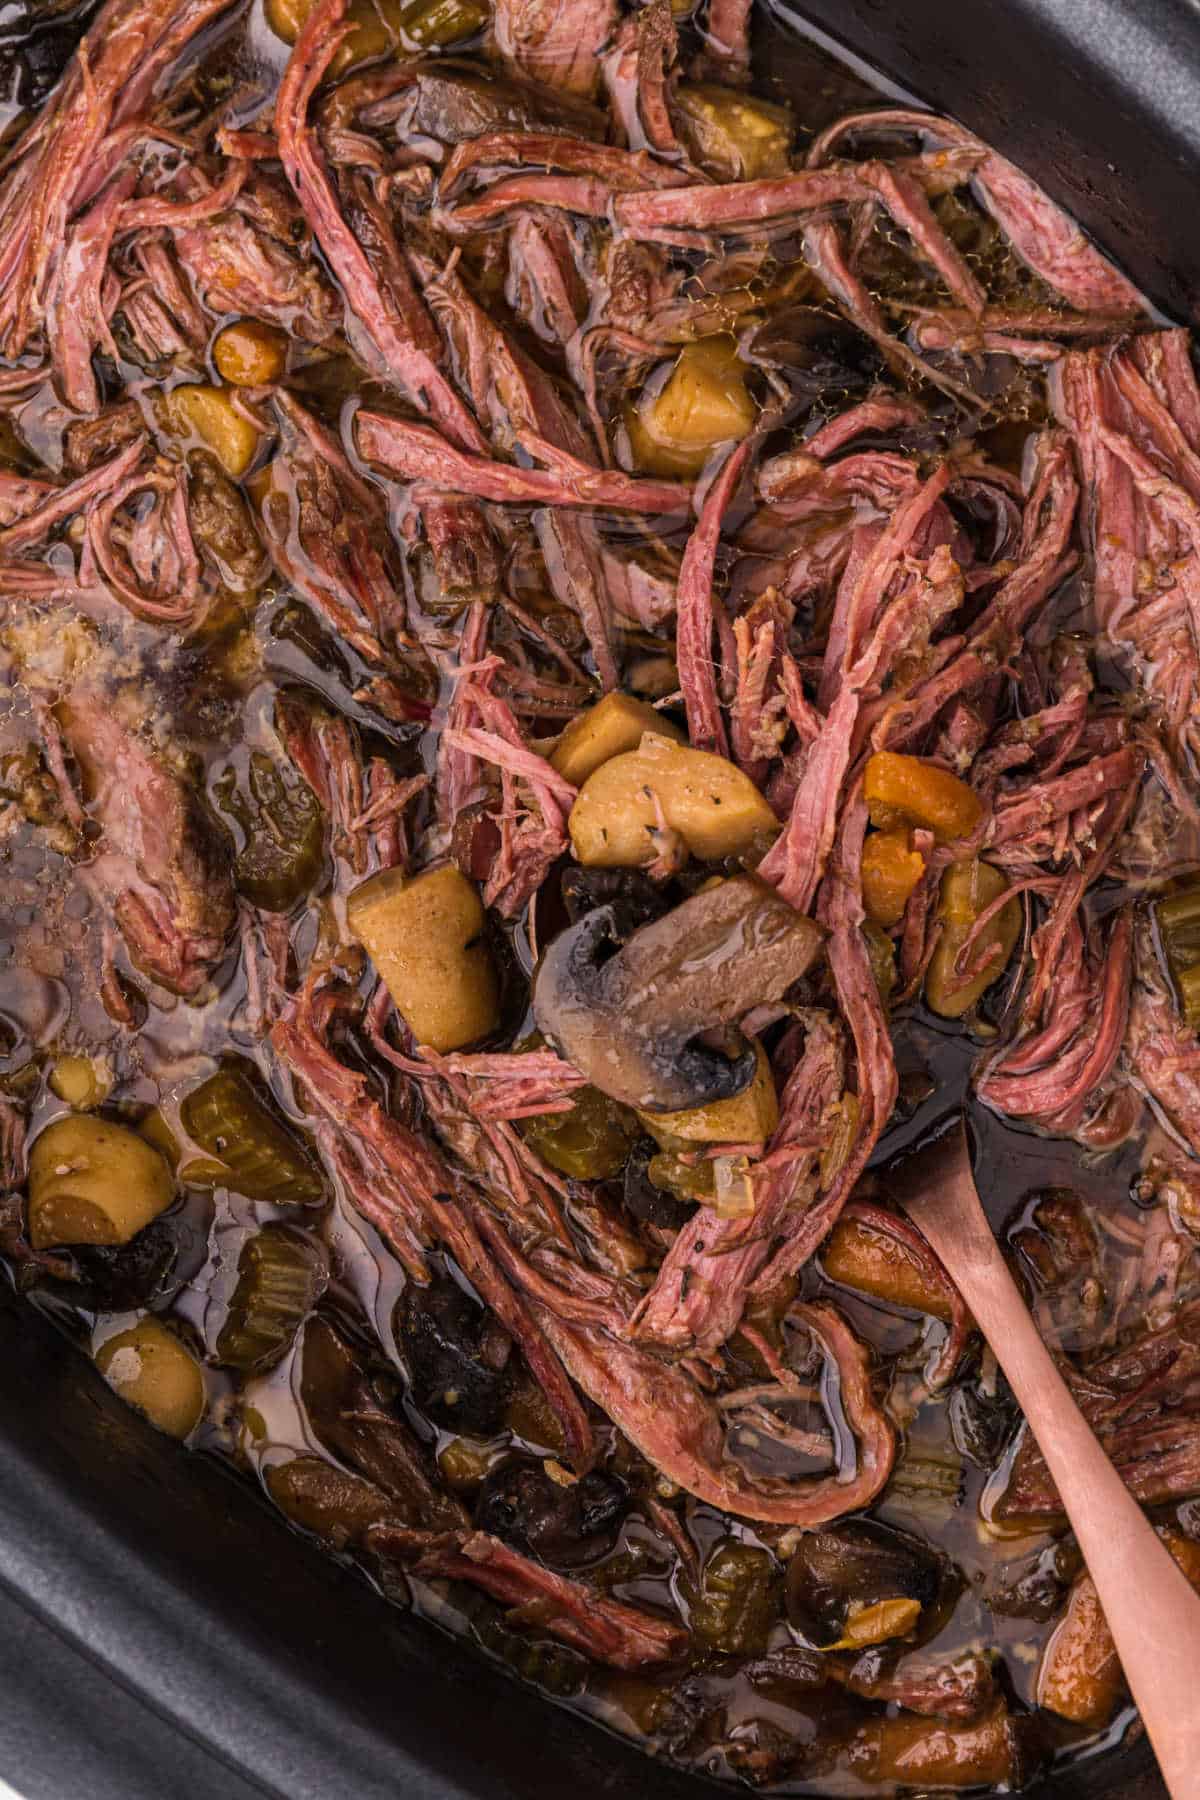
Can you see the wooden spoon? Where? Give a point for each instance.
(1152, 1612)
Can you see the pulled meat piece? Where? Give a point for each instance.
(704, 1281)
(251, 259)
(557, 42)
(346, 575)
(607, 1630)
(663, 1412)
(65, 156)
(1161, 1049)
(1144, 1405)
(962, 1688)
(351, 1423)
(163, 863)
(393, 337)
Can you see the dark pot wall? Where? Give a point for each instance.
(1100, 99)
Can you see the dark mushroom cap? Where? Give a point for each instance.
(630, 1020)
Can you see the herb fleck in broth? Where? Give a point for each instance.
(390, 649)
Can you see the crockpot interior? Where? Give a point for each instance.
(255, 1652)
(178, 1584)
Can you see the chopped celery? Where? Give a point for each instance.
(926, 1475)
(281, 1274)
(232, 1119)
(432, 24)
(882, 954)
(1189, 993)
(283, 835)
(1179, 927)
(591, 1142)
(738, 1599)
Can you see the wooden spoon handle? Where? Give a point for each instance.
(1152, 1612)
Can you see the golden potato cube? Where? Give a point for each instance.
(703, 402)
(375, 25)
(968, 888)
(250, 353)
(1080, 1677)
(196, 411)
(423, 935)
(92, 1182)
(151, 1370)
(715, 808)
(733, 137)
(82, 1081)
(615, 724)
(746, 1118)
(859, 1256)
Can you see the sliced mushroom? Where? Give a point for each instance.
(852, 1570)
(630, 1022)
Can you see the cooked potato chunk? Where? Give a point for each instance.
(610, 728)
(908, 790)
(330, 1502)
(746, 1118)
(967, 889)
(82, 1081)
(1080, 1677)
(152, 1370)
(863, 1258)
(925, 1753)
(250, 353)
(196, 411)
(423, 937)
(717, 811)
(92, 1182)
(383, 25)
(732, 136)
(674, 427)
(890, 872)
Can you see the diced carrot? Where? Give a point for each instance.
(910, 790)
(890, 872)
